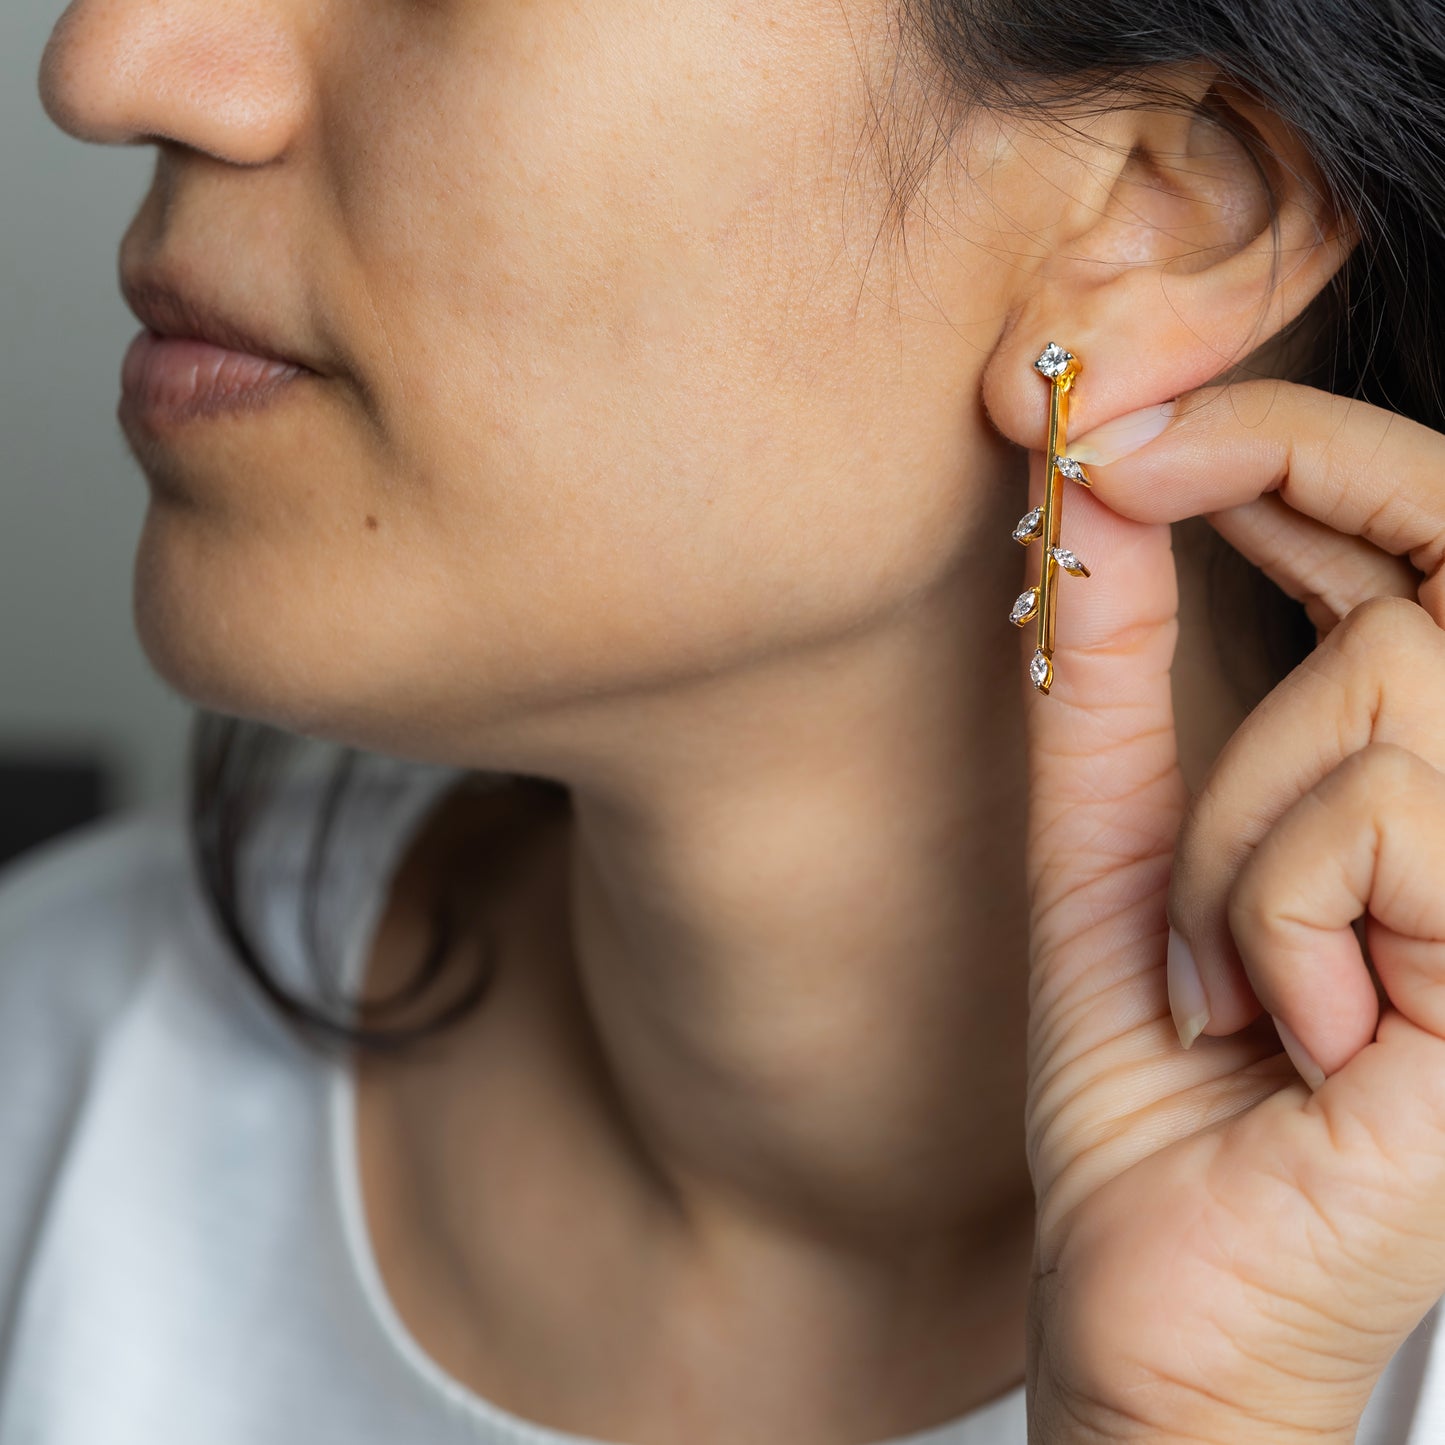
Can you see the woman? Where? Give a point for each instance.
(618, 420)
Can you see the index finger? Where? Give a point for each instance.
(1358, 468)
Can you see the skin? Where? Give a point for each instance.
(646, 457)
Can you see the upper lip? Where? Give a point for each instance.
(171, 311)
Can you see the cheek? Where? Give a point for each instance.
(629, 403)
(605, 280)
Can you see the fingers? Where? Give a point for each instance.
(1370, 834)
(1379, 678)
(1327, 571)
(1105, 731)
(1356, 468)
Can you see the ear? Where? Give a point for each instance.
(1163, 270)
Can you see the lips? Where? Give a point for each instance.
(168, 310)
(195, 360)
(178, 378)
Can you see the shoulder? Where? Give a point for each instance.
(88, 916)
(79, 917)
(77, 914)
(107, 854)
(83, 920)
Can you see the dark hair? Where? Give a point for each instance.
(1364, 87)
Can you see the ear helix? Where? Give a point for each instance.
(1060, 367)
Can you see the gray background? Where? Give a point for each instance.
(72, 674)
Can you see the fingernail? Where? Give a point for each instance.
(1309, 1071)
(1112, 440)
(1186, 993)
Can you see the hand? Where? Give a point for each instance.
(1224, 1252)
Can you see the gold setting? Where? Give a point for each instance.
(1059, 368)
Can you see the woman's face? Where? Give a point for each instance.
(626, 380)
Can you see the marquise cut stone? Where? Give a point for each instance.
(1068, 561)
(1026, 604)
(1041, 672)
(1054, 361)
(1030, 527)
(1072, 470)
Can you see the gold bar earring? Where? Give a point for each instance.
(1060, 367)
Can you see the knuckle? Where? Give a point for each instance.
(1381, 768)
(1244, 908)
(1375, 776)
(1380, 624)
(1259, 890)
(1383, 763)
(1429, 555)
(1251, 906)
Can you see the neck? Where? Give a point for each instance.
(774, 965)
(797, 929)
(798, 953)
(804, 958)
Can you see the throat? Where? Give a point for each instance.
(808, 1243)
(536, 1250)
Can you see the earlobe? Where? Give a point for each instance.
(1205, 248)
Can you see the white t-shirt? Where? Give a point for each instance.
(183, 1259)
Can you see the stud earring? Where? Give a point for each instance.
(1060, 367)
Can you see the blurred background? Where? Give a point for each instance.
(85, 727)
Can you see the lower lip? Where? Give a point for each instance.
(178, 378)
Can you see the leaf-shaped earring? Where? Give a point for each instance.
(1043, 524)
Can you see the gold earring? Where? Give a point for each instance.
(1060, 367)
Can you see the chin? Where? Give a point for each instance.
(208, 632)
(219, 624)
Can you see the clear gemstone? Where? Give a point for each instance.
(1030, 527)
(1025, 606)
(1053, 361)
(1072, 470)
(1041, 672)
(1068, 561)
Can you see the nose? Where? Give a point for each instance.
(225, 77)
